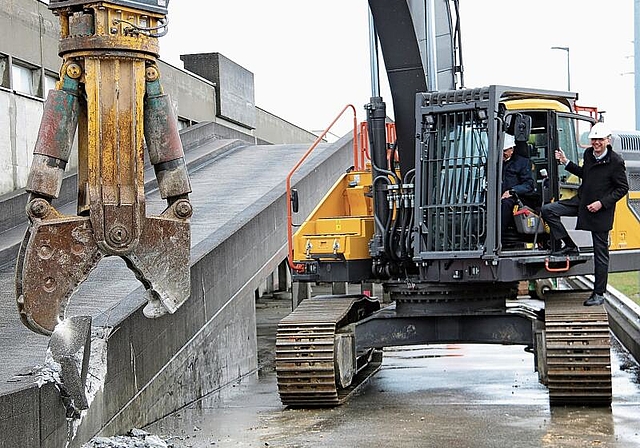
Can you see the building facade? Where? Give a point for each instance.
(29, 65)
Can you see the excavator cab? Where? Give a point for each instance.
(458, 172)
(439, 220)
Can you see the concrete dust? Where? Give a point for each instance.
(136, 438)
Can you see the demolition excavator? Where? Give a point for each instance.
(422, 222)
(422, 219)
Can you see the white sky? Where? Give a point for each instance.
(310, 59)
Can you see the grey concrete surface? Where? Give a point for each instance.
(470, 396)
(202, 144)
(156, 366)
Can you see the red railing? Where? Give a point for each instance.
(364, 144)
(358, 162)
(591, 111)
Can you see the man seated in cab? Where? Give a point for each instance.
(516, 180)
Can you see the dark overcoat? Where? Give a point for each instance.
(603, 180)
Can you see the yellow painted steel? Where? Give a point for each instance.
(341, 226)
(112, 57)
(536, 103)
(626, 225)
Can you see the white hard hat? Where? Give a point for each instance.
(509, 142)
(599, 130)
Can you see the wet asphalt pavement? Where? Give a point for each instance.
(426, 396)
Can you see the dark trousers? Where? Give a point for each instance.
(507, 212)
(551, 214)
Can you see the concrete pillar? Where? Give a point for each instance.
(283, 276)
(268, 284)
(300, 291)
(339, 288)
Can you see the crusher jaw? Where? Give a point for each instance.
(110, 92)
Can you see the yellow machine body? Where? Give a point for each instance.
(341, 226)
(536, 103)
(626, 224)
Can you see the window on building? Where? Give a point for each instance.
(25, 79)
(4, 71)
(49, 83)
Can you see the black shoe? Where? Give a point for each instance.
(594, 299)
(566, 251)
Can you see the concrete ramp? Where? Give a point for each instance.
(142, 369)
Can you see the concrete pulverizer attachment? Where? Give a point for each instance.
(110, 92)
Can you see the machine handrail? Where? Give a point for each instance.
(565, 268)
(365, 156)
(292, 265)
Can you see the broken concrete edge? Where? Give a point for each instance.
(59, 369)
(96, 374)
(132, 438)
(70, 349)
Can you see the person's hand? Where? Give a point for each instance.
(560, 156)
(506, 194)
(594, 206)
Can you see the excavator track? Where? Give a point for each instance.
(578, 351)
(306, 351)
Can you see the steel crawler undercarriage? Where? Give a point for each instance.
(330, 345)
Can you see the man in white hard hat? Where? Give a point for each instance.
(517, 180)
(604, 182)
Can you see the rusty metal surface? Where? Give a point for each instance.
(45, 176)
(173, 179)
(55, 257)
(58, 125)
(161, 130)
(114, 28)
(162, 260)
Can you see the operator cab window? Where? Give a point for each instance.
(573, 139)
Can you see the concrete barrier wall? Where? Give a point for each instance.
(194, 98)
(270, 128)
(155, 367)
